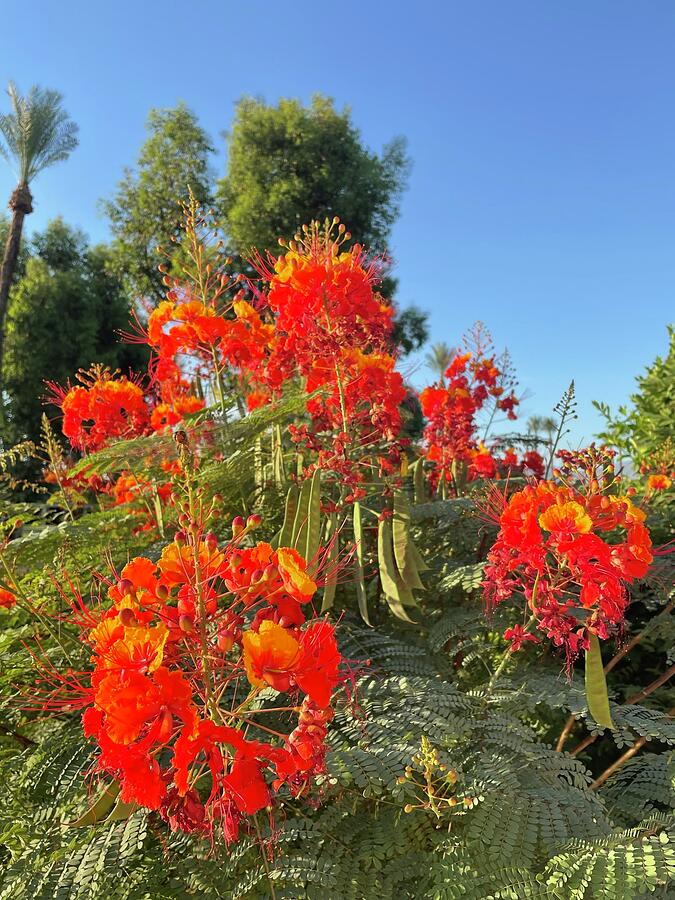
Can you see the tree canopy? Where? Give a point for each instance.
(145, 212)
(65, 313)
(289, 164)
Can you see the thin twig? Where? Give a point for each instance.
(22, 739)
(614, 661)
(629, 754)
(635, 698)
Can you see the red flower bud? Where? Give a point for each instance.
(128, 617)
(125, 587)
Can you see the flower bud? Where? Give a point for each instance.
(128, 617)
(225, 641)
(125, 587)
(211, 541)
(181, 537)
(162, 592)
(238, 525)
(254, 521)
(186, 624)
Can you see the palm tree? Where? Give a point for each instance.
(440, 358)
(550, 426)
(37, 133)
(535, 424)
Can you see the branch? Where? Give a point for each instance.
(645, 692)
(22, 739)
(615, 660)
(629, 754)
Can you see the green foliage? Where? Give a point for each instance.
(289, 164)
(525, 821)
(145, 212)
(65, 313)
(36, 133)
(643, 428)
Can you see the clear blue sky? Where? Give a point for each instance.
(542, 198)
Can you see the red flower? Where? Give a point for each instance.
(552, 546)
(7, 599)
(101, 408)
(517, 636)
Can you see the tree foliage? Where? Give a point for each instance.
(37, 132)
(642, 429)
(289, 164)
(145, 212)
(65, 313)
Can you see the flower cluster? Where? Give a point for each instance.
(451, 405)
(166, 700)
(103, 406)
(571, 547)
(659, 467)
(333, 331)
(7, 599)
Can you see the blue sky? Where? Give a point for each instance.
(542, 198)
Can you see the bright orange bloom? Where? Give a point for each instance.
(270, 655)
(165, 415)
(292, 568)
(177, 563)
(562, 549)
(7, 599)
(101, 408)
(566, 517)
(139, 649)
(659, 482)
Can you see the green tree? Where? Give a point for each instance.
(145, 213)
(642, 429)
(289, 164)
(64, 313)
(36, 134)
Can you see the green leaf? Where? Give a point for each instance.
(331, 583)
(397, 593)
(99, 809)
(596, 685)
(285, 536)
(358, 565)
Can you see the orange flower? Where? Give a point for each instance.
(140, 649)
(658, 482)
(292, 568)
(177, 563)
(7, 599)
(269, 655)
(568, 516)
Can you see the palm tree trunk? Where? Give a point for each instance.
(21, 204)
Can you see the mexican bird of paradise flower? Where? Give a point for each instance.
(571, 547)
